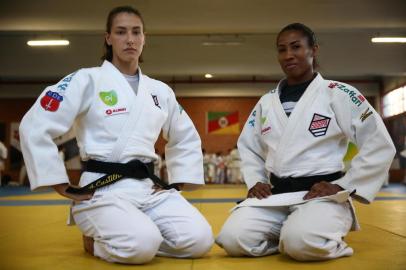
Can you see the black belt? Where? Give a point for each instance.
(117, 171)
(293, 184)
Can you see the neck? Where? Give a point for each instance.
(301, 79)
(128, 68)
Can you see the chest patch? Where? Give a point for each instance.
(156, 101)
(319, 125)
(109, 98)
(115, 111)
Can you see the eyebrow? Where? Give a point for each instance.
(291, 43)
(123, 27)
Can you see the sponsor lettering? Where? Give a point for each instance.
(115, 111)
(252, 121)
(355, 97)
(265, 130)
(65, 82)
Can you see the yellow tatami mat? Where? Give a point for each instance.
(33, 235)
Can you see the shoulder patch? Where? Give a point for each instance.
(365, 115)
(354, 95)
(51, 100)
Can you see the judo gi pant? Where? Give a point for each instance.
(133, 229)
(306, 232)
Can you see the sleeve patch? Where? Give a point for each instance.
(355, 96)
(251, 121)
(365, 115)
(51, 100)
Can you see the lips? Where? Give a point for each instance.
(130, 50)
(290, 66)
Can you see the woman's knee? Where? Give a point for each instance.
(129, 249)
(309, 238)
(235, 240)
(196, 242)
(304, 245)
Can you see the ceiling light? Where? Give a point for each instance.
(208, 76)
(389, 39)
(59, 42)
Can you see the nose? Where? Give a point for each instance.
(288, 54)
(130, 39)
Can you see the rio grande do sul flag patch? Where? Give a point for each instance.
(319, 125)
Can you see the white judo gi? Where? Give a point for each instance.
(234, 167)
(3, 157)
(312, 141)
(128, 223)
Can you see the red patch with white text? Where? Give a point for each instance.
(319, 125)
(51, 101)
(265, 130)
(110, 112)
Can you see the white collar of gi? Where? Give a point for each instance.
(283, 82)
(109, 65)
(110, 69)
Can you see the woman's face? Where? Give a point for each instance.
(295, 56)
(126, 37)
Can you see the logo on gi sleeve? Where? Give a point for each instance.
(251, 121)
(319, 125)
(109, 98)
(51, 100)
(365, 115)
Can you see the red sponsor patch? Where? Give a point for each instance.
(265, 130)
(116, 111)
(51, 100)
(332, 85)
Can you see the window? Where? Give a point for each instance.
(394, 102)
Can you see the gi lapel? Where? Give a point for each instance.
(290, 123)
(136, 107)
